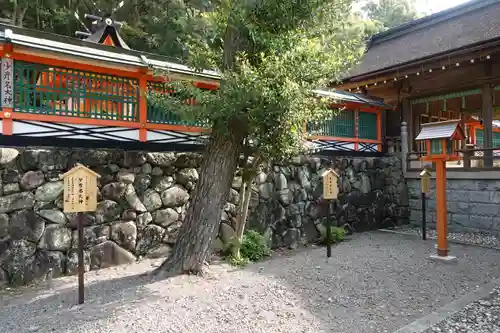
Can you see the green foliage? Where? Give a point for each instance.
(391, 13)
(271, 55)
(338, 235)
(241, 261)
(254, 246)
(159, 26)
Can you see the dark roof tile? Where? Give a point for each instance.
(424, 38)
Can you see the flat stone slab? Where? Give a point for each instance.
(447, 259)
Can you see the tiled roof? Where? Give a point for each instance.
(87, 49)
(440, 130)
(474, 22)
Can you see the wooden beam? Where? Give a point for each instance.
(411, 69)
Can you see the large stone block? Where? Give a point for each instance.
(463, 220)
(165, 217)
(32, 180)
(49, 191)
(26, 225)
(481, 222)
(174, 197)
(53, 215)
(124, 234)
(55, 238)
(72, 262)
(482, 209)
(16, 201)
(456, 195)
(109, 254)
(479, 196)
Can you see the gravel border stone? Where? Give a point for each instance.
(466, 238)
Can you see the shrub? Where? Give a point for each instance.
(254, 246)
(338, 235)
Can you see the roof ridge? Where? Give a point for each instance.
(428, 20)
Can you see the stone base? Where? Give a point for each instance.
(448, 259)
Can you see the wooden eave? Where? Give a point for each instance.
(435, 63)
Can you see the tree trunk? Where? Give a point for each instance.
(241, 219)
(202, 221)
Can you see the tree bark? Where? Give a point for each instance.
(249, 174)
(245, 195)
(203, 216)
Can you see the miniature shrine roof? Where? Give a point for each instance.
(439, 130)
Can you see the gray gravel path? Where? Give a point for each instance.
(482, 316)
(377, 282)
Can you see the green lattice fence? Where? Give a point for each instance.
(342, 125)
(158, 115)
(46, 90)
(480, 138)
(367, 126)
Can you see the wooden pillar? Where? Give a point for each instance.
(468, 153)
(407, 117)
(380, 146)
(404, 146)
(442, 218)
(143, 109)
(356, 129)
(487, 111)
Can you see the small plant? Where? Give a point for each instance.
(338, 235)
(241, 261)
(254, 246)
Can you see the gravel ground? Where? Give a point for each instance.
(471, 238)
(376, 282)
(482, 316)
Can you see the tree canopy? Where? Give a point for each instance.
(386, 14)
(271, 56)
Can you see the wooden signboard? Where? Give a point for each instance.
(80, 195)
(330, 187)
(80, 190)
(425, 179)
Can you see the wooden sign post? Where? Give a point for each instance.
(330, 194)
(80, 195)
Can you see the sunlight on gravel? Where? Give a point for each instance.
(375, 283)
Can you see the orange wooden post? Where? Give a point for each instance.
(143, 109)
(436, 136)
(442, 213)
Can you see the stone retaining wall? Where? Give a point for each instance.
(473, 205)
(143, 198)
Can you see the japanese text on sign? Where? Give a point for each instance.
(330, 188)
(80, 190)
